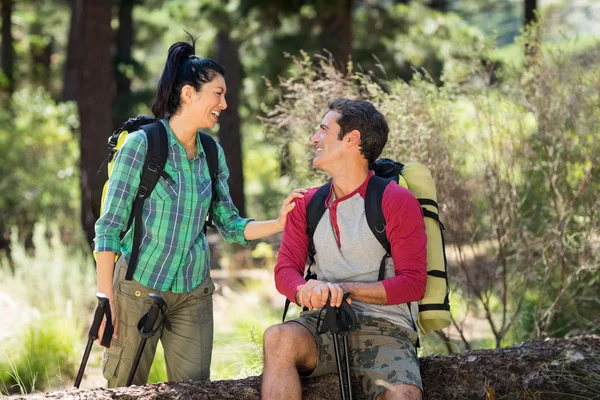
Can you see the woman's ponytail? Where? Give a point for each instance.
(178, 53)
(182, 68)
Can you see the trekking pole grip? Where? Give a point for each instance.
(103, 304)
(101, 309)
(157, 304)
(346, 318)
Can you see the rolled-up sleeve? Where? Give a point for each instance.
(226, 216)
(120, 193)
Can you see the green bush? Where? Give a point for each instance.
(516, 160)
(47, 357)
(39, 180)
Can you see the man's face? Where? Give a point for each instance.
(328, 148)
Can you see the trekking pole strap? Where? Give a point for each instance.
(147, 322)
(336, 320)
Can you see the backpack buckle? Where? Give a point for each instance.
(142, 191)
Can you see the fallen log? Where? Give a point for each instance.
(541, 369)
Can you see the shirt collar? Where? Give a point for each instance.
(172, 140)
(362, 190)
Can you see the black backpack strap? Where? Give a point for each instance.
(439, 274)
(132, 124)
(375, 217)
(314, 212)
(156, 158)
(377, 224)
(212, 159)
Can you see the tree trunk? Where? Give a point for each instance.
(123, 61)
(530, 7)
(94, 80)
(439, 5)
(543, 369)
(41, 57)
(70, 82)
(336, 31)
(229, 122)
(8, 48)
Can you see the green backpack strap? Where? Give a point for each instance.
(154, 164)
(212, 159)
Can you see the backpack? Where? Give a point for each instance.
(153, 169)
(434, 308)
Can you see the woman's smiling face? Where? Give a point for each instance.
(208, 103)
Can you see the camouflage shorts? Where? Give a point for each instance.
(382, 354)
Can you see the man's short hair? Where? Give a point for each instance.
(364, 117)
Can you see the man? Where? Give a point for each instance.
(350, 138)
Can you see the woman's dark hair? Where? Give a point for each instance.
(364, 117)
(182, 68)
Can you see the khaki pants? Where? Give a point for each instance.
(187, 346)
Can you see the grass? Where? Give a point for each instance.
(51, 298)
(44, 359)
(47, 304)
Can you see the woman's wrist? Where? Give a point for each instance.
(279, 224)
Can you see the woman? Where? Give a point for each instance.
(174, 256)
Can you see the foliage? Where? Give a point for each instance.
(395, 41)
(48, 322)
(516, 166)
(38, 167)
(509, 133)
(47, 357)
(47, 318)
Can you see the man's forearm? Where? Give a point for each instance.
(372, 292)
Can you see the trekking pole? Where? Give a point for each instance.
(347, 322)
(339, 321)
(146, 329)
(102, 309)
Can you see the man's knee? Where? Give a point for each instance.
(281, 337)
(401, 392)
(291, 341)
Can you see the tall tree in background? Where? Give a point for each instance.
(228, 23)
(91, 84)
(41, 49)
(439, 5)
(335, 22)
(530, 7)
(70, 82)
(123, 63)
(8, 49)
(230, 123)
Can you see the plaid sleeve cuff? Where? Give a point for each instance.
(239, 231)
(105, 243)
